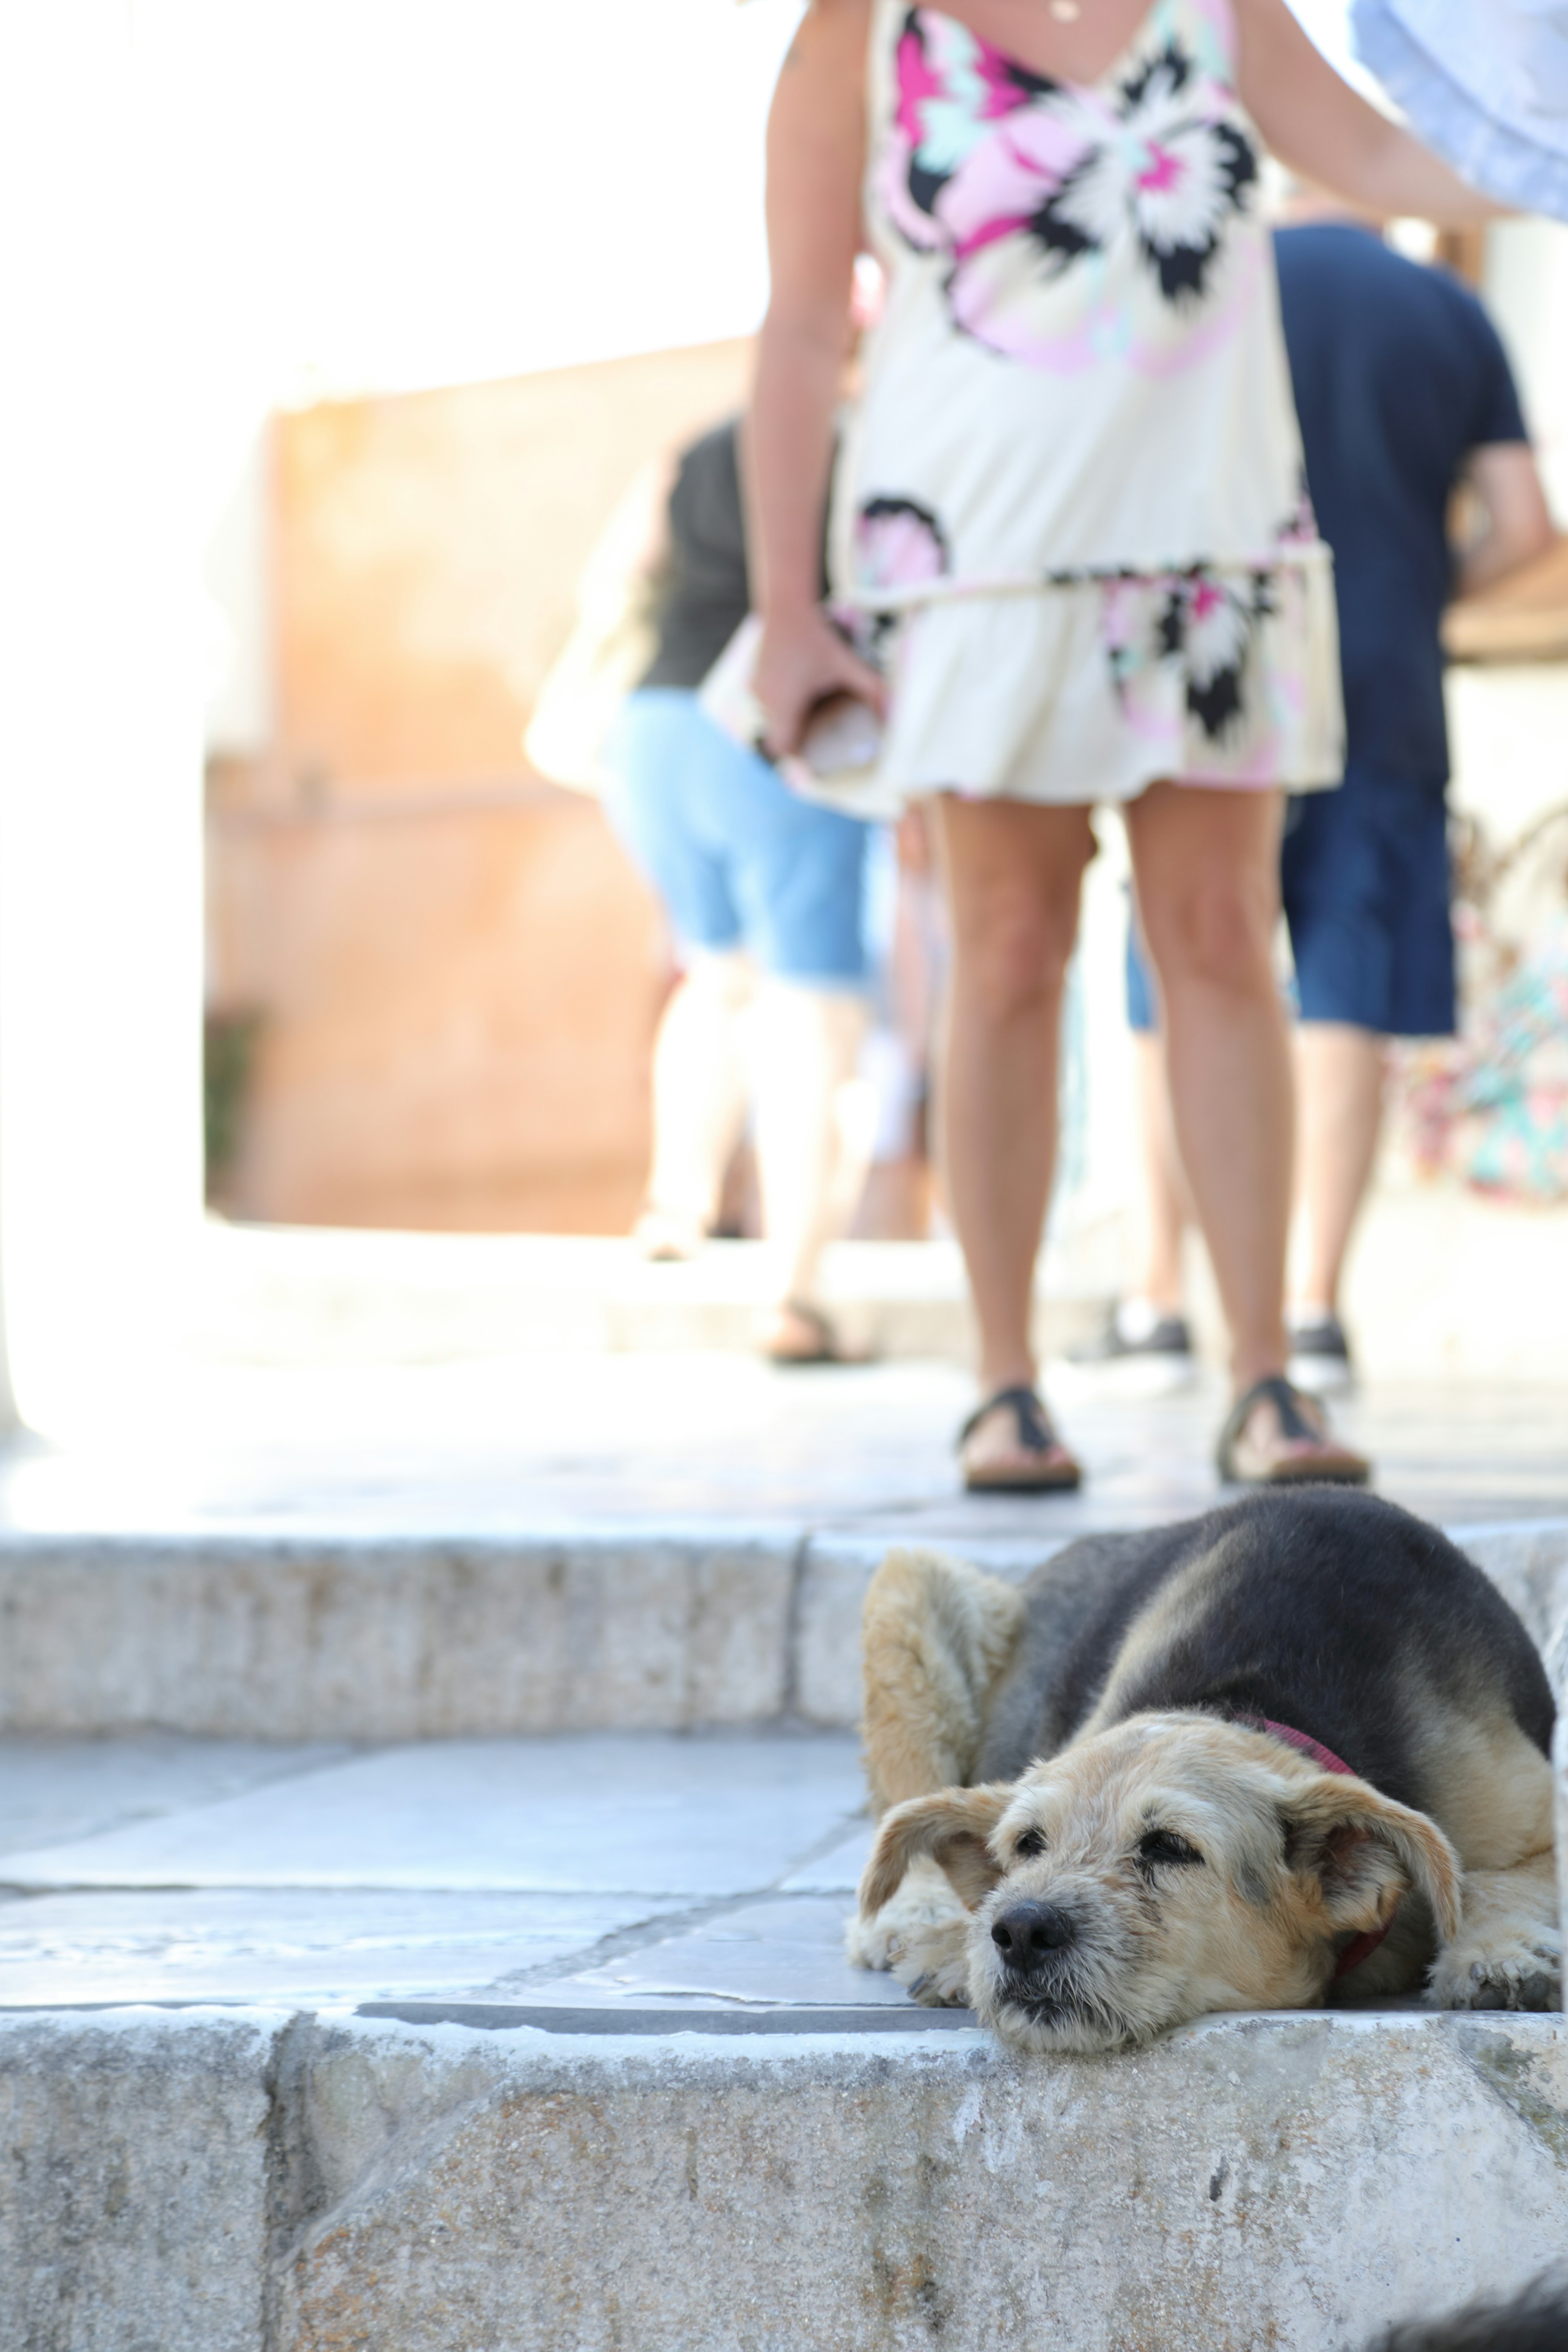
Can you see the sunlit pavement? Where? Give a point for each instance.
(545, 1443)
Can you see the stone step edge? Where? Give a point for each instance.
(1282, 2153)
(637, 1628)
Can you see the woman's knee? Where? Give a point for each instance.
(1217, 934)
(1010, 951)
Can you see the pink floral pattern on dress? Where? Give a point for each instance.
(1200, 627)
(899, 543)
(1022, 182)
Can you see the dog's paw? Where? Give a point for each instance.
(873, 1943)
(1524, 1973)
(933, 1968)
(925, 1905)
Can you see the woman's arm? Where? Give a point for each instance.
(816, 154)
(1319, 126)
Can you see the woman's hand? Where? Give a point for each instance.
(1322, 129)
(801, 660)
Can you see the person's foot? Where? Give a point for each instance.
(1007, 1446)
(1320, 1360)
(1276, 1436)
(667, 1237)
(798, 1333)
(1138, 1352)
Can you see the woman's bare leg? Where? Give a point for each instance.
(1207, 869)
(1339, 1071)
(1013, 872)
(1167, 1205)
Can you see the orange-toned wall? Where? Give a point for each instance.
(458, 973)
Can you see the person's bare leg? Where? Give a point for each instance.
(1166, 1208)
(1013, 872)
(812, 1143)
(1206, 863)
(699, 1102)
(1340, 1074)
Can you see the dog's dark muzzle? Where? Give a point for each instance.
(1032, 1938)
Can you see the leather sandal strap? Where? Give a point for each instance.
(1036, 1434)
(1286, 1400)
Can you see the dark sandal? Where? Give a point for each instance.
(1332, 1464)
(1035, 1436)
(828, 1348)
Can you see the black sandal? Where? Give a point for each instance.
(1035, 1436)
(1331, 1464)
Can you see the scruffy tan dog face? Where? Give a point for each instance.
(1171, 1866)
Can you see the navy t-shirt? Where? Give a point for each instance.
(1399, 374)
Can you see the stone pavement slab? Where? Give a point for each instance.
(454, 1869)
(52, 1788)
(239, 1946)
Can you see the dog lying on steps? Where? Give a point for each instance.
(1294, 1747)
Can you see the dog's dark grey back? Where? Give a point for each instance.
(1327, 1610)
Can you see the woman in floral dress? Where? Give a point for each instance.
(1071, 534)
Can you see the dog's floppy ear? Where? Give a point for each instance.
(1364, 1852)
(951, 1826)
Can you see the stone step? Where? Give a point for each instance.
(287, 1295)
(371, 1638)
(260, 2182)
(552, 2044)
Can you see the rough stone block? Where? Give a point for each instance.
(134, 2186)
(281, 1640)
(1296, 2182)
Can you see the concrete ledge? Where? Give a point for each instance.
(277, 1294)
(354, 1640)
(134, 2193)
(295, 2185)
(255, 1637)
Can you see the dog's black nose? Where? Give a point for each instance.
(1028, 1931)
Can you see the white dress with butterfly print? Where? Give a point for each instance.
(1070, 516)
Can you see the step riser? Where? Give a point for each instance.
(255, 1639)
(1296, 2181)
(413, 1641)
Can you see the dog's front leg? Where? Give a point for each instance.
(1508, 1953)
(921, 1934)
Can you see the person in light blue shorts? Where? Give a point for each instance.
(767, 894)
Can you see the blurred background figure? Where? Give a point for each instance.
(767, 896)
(1484, 83)
(1405, 400)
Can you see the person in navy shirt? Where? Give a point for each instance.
(1404, 396)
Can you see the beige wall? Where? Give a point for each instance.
(457, 972)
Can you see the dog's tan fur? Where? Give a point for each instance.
(937, 1636)
(1256, 1925)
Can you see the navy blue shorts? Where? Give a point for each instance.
(738, 858)
(1363, 874)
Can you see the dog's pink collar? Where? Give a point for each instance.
(1326, 1761)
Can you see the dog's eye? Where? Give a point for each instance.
(1164, 1845)
(1028, 1846)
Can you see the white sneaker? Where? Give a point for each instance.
(1320, 1359)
